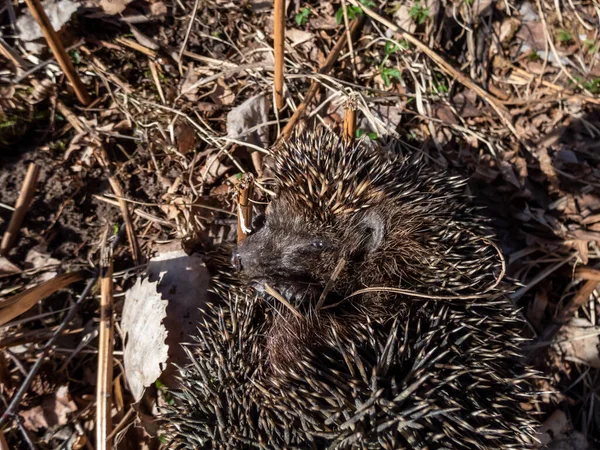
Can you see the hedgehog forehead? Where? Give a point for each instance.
(328, 177)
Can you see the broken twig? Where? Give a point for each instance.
(21, 207)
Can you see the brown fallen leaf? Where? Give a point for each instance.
(186, 138)
(54, 410)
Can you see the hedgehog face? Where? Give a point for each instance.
(297, 254)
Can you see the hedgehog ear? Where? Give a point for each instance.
(374, 226)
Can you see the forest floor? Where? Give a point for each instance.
(182, 104)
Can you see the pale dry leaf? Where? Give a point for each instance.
(188, 88)
(54, 410)
(298, 37)
(161, 311)
(59, 13)
(580, 341)
(252, 112)
(113, 7)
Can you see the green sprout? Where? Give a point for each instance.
(360, 132)
(534, 56)
(565, 36)
(591, 46)
(302, 17)
(388, 73)
(353, 11)
(419, 13)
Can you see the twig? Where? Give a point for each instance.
(278, 48)
(105, 352)
(315, 86)
(276, 295)
(13, 407)
(154, 72)
(350, 119)
(187, 34)
(21, 207)
(349, 37)
(245, 189)
(38, 13)
(24, 301)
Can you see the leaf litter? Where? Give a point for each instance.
(179, 123)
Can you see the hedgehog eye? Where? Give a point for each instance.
(318, 244)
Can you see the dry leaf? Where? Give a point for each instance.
(160, 312)
(252, 112)
(186, 138)
(53, 411)
(222, 95)
(580, 340)
(114, 6)
(59, 13)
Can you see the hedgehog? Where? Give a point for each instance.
(391, 329)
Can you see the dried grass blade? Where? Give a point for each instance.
(24, 301)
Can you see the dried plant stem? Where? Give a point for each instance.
(21, 207)
(105, 352)
(245, 189)
(38, 13)
(13, 407)
(24, 301)
(315, 86)
(277, 296)
(349, 37)
(278, 48)
(350, 119)
(3, 443)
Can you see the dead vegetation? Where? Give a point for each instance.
(506, 93)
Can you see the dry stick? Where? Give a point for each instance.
(38, 13)
(21, 207)
(245, 189)
(350, 45)
(315, 86)
(494, 102)
(276, 295)
(12, 408)
(278, 48)
(350, 119)
(24, 301)
(105, 352)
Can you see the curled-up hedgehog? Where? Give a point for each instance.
(390, 329)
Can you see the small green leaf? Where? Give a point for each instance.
(239, 175)
(388, 73)
(116, 231)
(390, 48)
(75, 57)
(565, 36)
(159, 384)
(534, 56)
(591, 46)
(372, 135)
(302, 17)
(419, 13)
(359, 132)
